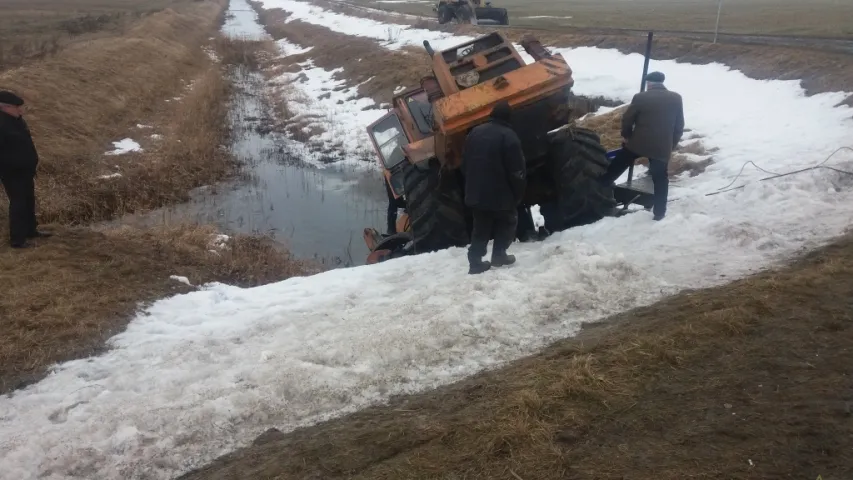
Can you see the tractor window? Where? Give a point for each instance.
(421, 111)
(389, 137)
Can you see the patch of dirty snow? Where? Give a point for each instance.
(122, 147)
(320, 102)
(287, 49)
(108, 176)
(219, 241)
(241, 21)
(184, 280)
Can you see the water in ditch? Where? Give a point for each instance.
(315, 213)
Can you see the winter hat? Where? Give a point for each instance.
(655, 77)
(10, 98)
(502, 111)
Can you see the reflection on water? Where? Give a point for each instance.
(315, 213)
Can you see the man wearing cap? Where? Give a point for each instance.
(651, 127)
(18, 162)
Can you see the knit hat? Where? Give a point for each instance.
(10, 98)
(502, 111)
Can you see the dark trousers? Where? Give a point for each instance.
(487, 225)
(20, 188)
(393, 205)
(658, 168)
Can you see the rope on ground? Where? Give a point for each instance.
(779, 175)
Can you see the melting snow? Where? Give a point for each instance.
(124, 146)
(184, 280)
(323, 104)
(200, 374)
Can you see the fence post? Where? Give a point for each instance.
(717, 27)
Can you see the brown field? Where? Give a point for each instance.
(820, 70)
(65, 297)
(748, 381)
(776, 17)
(31, 29)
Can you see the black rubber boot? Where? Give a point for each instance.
(478, 268)
(502, 260)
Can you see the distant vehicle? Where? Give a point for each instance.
(470, 11)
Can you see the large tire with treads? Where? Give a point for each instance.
(445, 14)
(576, 161)
(436, 208)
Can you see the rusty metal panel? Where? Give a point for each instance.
(421, 150)
(467, 108)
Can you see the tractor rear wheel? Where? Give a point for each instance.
(445, 14)
(577, 159)
(436, 208)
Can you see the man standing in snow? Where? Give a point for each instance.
(651, 127)
(18, 162)
(495, 177)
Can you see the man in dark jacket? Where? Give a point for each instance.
(495, 177)
(18, 162)
(652, 127)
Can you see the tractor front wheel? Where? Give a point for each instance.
(436, 208)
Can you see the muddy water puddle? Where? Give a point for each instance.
(315, 213)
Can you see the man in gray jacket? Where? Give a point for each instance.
(651, 127)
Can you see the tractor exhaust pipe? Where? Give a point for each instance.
(429, 49)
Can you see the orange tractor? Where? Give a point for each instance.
(419, 145)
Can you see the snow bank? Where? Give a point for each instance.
(321, 103)
(241, 21)
(199, 374)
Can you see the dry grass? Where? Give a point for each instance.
(748, 380)
(87, 96)
(31, 30)
(63, 299)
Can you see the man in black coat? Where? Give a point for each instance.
(652, 127)
(495, 177)
(18, 162)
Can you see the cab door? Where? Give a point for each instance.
(388, 140)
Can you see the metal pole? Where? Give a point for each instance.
(646, 63)
(717, 28)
